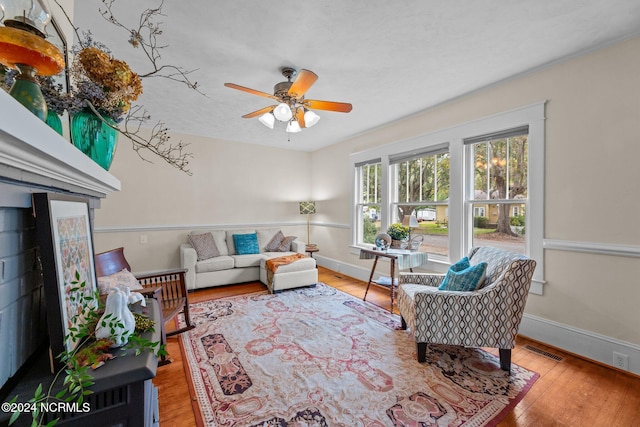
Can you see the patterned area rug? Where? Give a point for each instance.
(319, 357)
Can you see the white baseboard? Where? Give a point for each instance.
(587, 344)
(580, 342)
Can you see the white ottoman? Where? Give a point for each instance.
(299, 273)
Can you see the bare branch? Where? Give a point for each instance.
(149, 44)
(145, 36)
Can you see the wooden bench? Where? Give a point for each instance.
(168, 287)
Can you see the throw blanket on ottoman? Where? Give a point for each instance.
(273, 264)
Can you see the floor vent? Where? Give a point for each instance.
(544, 353)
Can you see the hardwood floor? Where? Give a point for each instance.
(570, 391)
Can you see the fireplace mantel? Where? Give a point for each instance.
(33, 157)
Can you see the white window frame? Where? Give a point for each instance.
(359, 204)
(461, 230)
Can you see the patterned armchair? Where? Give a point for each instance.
(487, 317)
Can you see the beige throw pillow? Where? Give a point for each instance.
(121, 280)
(285, 245)
(275, 242)
(280, 243)
(204, 245)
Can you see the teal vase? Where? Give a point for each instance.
(54, 122)
(94, 137)
(26, 91)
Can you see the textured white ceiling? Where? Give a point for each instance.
(389, 59)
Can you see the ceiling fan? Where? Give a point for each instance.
(292, 107)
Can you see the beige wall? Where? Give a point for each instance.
(233, 184)
(592, 154)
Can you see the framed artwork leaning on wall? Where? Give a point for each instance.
(63, 229)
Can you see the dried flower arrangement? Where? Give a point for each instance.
(108, 86)
(106, 83)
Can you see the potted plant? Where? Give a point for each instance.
(399, 235)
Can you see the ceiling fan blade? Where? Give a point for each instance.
(302, 83)
(316, 104)
(259, 112)
(251, 91)
(300, 117)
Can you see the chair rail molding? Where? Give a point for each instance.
(592, 247)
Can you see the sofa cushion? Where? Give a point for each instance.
(205, 245)
(246, 244)
(215, 264)
(251, 260)
(229, 237)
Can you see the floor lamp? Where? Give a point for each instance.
(308, 208)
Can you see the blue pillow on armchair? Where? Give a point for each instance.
(246, 244)
(463, 277)
(463, 264)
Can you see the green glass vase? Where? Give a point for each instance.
(54, 122)
(26, 91)
(94, 136)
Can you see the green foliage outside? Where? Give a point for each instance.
(480, 221)
(517, 221)
(430, 228)
(370, 231)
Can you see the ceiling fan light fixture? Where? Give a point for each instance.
(267, 119)
(283, 112)
(310, 118)
(293, 127)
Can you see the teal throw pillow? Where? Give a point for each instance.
(468, 279)
(246, 244)
(463, 264)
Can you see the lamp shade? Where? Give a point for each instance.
(282, 112)
(293, 127)
(267, 119)
(310, 118)
(307, 208)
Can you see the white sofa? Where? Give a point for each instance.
(229, 267)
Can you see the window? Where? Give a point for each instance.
(498, 188)
(369, 196)
(478, 183)
(421, 195)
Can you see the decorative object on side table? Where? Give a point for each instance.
(399, 234)
(383, 241)
(23, 48)
(415, 242)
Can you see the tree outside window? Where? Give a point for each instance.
(422, 191)
(500, 192)
(369, 186)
